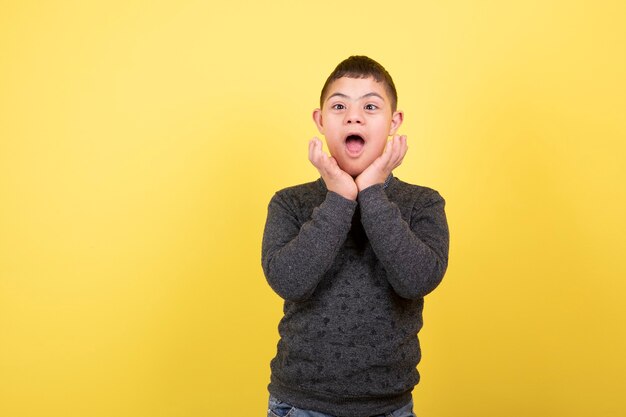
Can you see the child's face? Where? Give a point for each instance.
(356, 118)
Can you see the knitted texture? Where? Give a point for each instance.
(353, 275)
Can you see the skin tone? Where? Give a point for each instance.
(357, 106)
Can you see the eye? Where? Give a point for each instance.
(338, 106)
(371, 107)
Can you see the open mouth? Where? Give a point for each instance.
(354, 144)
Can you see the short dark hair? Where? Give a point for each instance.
(360, 66)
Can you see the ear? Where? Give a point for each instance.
(396, 121)
(317, 118)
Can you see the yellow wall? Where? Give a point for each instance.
(140, 143)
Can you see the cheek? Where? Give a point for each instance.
(380, 130)
(333, 144)
(380, 147)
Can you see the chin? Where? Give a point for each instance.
(356, 167)
(354, 171)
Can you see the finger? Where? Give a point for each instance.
(396, 155)
(311, 147)
(319, 146)
(398, 148)
(402, 151)
(316, 152)
(386, 152)
(405, 146)
(393, 152)
(323, 160)
(313, 153)
(381, 163)
(388, 146)
(332, 163)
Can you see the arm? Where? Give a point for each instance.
(295, 257)
(415, 255)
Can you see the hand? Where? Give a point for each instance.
(382, 166)
(335, 178)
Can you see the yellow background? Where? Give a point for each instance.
(140, 143)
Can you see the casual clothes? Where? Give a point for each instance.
(277, 408)
(353, 275)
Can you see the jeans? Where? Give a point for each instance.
(277, 408)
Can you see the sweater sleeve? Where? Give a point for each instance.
(415, 255)
(296, 256)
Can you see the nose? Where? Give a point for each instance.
(354, 116)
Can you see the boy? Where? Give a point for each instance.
(352, 254)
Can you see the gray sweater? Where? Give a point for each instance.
(353, 275)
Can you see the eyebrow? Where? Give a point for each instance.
(372, 94)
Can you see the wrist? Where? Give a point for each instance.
(349, 193)
(363, 183)
(345, 195)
